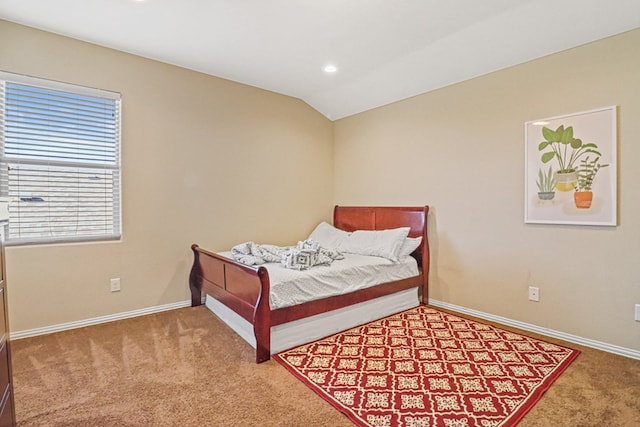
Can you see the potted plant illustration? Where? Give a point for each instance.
(586, 174)
(546, 183)
(562, 146)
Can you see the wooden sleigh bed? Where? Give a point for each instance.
(244, 290)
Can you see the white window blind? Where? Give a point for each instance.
(59, 160)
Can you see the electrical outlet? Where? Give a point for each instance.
(115, 284)
(534, 293)
(637, 316)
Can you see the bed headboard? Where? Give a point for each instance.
(350, 218)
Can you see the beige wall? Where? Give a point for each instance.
(458, 149)
(461, 150)
(204, 160)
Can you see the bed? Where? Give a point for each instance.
(239, 293)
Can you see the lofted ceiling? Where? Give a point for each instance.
(384, 50)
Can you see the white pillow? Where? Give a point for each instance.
(382, 243)
(410, 244)
(328, 236)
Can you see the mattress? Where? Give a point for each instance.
(354, 272)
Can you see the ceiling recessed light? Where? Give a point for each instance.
(330, 68)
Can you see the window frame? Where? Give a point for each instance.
(79, 164)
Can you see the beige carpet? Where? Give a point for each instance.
(185, 368)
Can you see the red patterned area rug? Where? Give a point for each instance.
(424, 367)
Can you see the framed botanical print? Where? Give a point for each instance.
(571, 169)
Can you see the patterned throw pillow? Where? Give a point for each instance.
(300, 259)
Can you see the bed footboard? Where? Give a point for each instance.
(244, 289)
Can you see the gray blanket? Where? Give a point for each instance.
(305, 254)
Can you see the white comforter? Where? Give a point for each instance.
(354, 272)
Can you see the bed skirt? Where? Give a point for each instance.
(309, 329)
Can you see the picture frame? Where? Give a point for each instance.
(571, 169)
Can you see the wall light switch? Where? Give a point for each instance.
(637, 316)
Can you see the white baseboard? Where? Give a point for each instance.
(599, 345)
(97, 320)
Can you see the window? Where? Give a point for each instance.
(59, 161)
